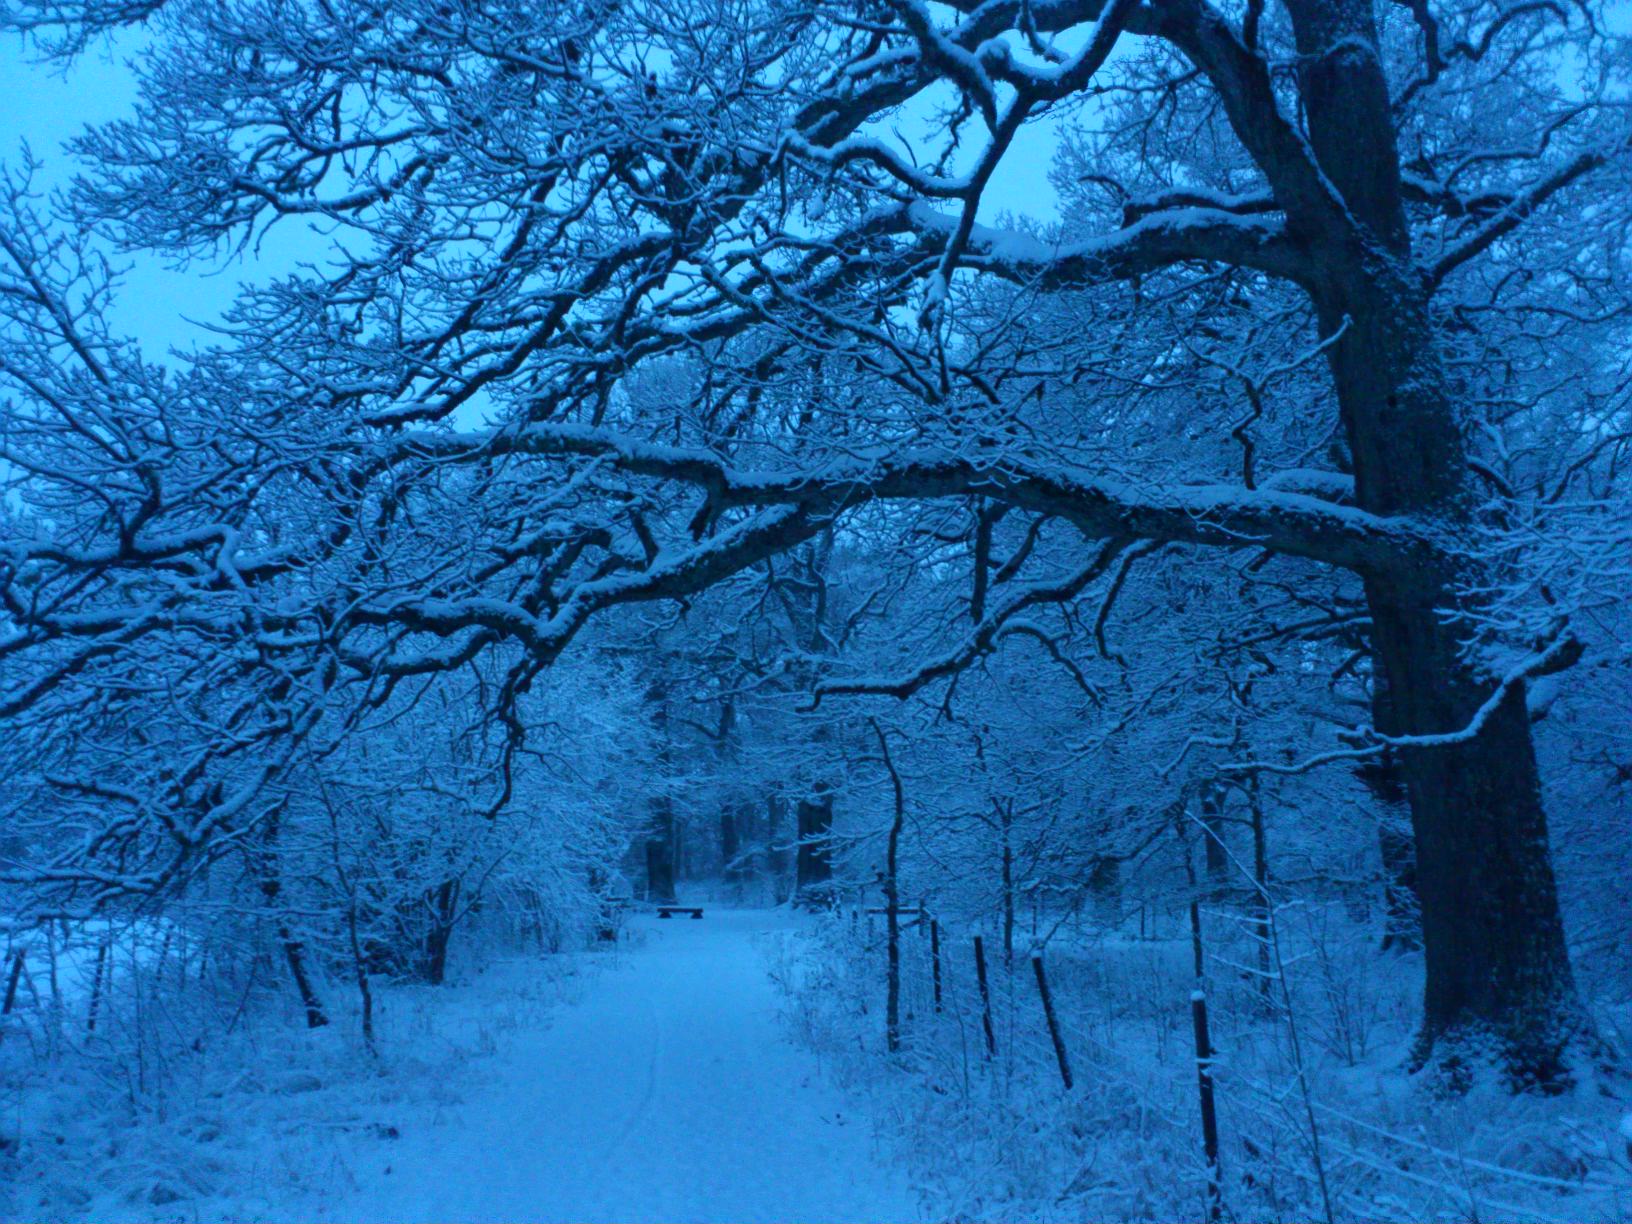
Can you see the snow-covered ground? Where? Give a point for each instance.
(668, 1092)
(651, 1082)
(1336, 1118)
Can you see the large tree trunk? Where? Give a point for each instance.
(1498, 975)
(1492, 934)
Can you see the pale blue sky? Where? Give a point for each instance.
(45, 107)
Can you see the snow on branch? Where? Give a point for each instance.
(1563, 654)
(1220, 515)
(1155, 241)
(1522, 205)
(983, 638)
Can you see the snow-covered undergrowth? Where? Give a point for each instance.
(1352, 1138)
(188, 1101)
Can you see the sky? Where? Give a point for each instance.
(162, 307)
(44, 106)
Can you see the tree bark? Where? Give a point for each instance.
(1383, 777)
(1492, 933)
(1402, 911)
(1497, 968)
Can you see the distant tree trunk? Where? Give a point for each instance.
(814, 867)
(11, 982)
(295, 953)
(776, 854)
(735, 814)
(443, 904)
(265, 859)
(359, 969)
(660, 852)
(730, 844)
(1260, 879)
(1105, 887)
(98, 985)
(814, 864)
(731, 825)
(660, 830)
(1212, 823)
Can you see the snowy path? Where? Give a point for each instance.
(669, 1093)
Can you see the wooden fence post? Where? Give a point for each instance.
(985, 996)
(935, 958)
(97, 986)
(1053, 1022)
(1209, 1112)
(1196, 950)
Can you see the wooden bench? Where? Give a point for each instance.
(669, 911)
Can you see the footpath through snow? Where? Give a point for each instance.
(669, 1093)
